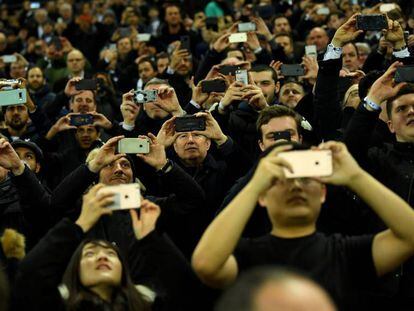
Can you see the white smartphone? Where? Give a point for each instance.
(134, 145)
(9, 58)
(323, 11)
(386, 7)
(143, 37)
(241, 76)
(126, 196)
(238, 37)
(246, 27)
(308, 163)
(310, 50)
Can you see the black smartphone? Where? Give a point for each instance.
(81, 119)
(190, 123)
(404, 74)
(371, 22)
(294, 70)
(212, 23)
(86, 84)
(282, 135)
(124, 32)
(216, 85)
(229, 70)
(57, 43)
(185, 43)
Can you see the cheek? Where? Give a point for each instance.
(85, 272)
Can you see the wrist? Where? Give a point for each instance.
(177, 113)
(337, 43)
(220, 141)
(160, 165)
(399, 45)
(373, 101)
(93, 167)
(356, 179)
(85, 226)
(19, 169)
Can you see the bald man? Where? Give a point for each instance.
(319, 37)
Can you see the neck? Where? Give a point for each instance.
(193, 162)
(17, 133)
(293, 231)
(173, 29)
(104, 292)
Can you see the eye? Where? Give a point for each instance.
(88, 254)
(112, 253)
(401, 108)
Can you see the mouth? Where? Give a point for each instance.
(297, 200)
(410, 122)
(119, 179)
(191, 149)
(104, 267)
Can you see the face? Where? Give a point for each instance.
(402, 118)
(124, 46)
(185, 66)
(291, 94)
(146, 72)
(172, 16)
(162, 64)
(334, 21)
(279, 124)
(153, 110)
(17, 70)
(35, 78)
(293, 202)
(282, 25)
(75, 62)
(28, 157)
(191, 147)
(116, 173)
(236, 54)
(16, 117)
(86, 135)
(286, 43)
(350, 57)
(266, 83)
(99, 266)
(83, 102)
(319, 38)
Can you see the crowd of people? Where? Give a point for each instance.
(219, 225)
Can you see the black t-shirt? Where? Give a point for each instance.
(342, 265)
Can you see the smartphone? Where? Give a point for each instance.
(310, 50)
(60, 20)
(112, 46)
(126, 196)
(185, 43)
(34, 5)
(143, 37)
(323, 11)
(238, 37)
(212, 23)
(124, 32)
(81, 119)
(86, 84)
(246, 27)
(145, 96)
(404, 74)
(308, 163)
(386, 7)
(371, 22)
(229, 70)
(294, 70)
(13, 97)
(134, 145)
(57, 43)
(241, 76)
(9, 82)
(217, 85)
(282, 135)
(190, 123)
(9, 58)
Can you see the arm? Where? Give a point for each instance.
(212, 259)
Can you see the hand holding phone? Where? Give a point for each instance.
(81, 119)
(308, 163)
(126, 196)
(216, 85)
(292, 70)
(239, 37)
(190, 123)
(373, 22)
(134, 146)
(86, 84)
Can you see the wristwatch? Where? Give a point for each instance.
(166, 168)
(370, 105)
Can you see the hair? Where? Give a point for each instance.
(162, 55)
(157, 81)
(125, 297)
(354, 45)
(352, 88)
(150, 61)
(278, 111)
(262, 68)
(35, 67)
(407, 89)
(366, 82)
(72, 98)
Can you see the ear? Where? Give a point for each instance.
(277, 87)
(37, 169)
(261, 145)
(390, 126)
(208, 143)
(323, 194)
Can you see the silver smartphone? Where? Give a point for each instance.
(13, 97)
(125, 196)
(310, 50)
(9, 58)
(134, 145)
(238, 37)
(241, 76)
(308, 163)
(246, 27)
(143, 37)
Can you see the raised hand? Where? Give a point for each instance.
(129, 108)
(156, 157)
(70, 89)
(63, 124)
(347, 32)
(167, 134)
(213, 130)
(105, 155)
(147, 219)
(9, 158)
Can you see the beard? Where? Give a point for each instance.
(16, 124)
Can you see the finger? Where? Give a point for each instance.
(153, 138)
(114, 140)
(106, 201)
(96, 188)
(279, 149)
(134, 217)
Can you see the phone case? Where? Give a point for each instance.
(86, 84)
(308, 163)
(293, 70)
(81, 119)
(228, 70)
(217, 85)
(190, 123)
(133, 145)
(404, 74)
(145, 96)
(13, 97)
(371, 22)
(241, 76)
(126, 196)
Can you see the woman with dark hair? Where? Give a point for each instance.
(96, 276)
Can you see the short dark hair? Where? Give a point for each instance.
(150, 61)
(72, 98)
(354, 45)
(277, 111)
(407, 89)
(262, 68)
